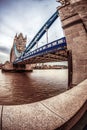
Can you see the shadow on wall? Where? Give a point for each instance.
(85, 128)
(82, 123)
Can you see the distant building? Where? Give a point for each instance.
(50, 67)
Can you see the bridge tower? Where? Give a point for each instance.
(73, 14)
(19, 45)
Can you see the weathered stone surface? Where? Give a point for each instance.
(64, 2)
(68, 104)
(79, 91)
(70, 19)
(66, 12)
(30, 117)
(74, 22)
(80, 7)
(65, 105)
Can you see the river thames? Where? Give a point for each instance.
(22, 88)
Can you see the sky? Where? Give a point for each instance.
(26, 16)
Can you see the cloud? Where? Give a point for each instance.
(26, 16)
(4, 50)
(4, 57)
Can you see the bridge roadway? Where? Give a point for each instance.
(52, 52)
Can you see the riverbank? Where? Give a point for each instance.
(51, 67)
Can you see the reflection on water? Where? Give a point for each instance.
(21, 88)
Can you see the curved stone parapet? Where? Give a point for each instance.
(62, 111)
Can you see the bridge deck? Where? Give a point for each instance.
(51, 52)
(55, 56)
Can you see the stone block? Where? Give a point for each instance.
(78, 77)
(71, 19)
(30, 117)
(79, 90)
(81, 8)
(82, 33)
(67, 11)
(74, 1)
(66, 105)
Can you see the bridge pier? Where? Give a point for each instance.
(73, 14)
(10, 67)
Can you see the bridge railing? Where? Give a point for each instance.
(50, 47)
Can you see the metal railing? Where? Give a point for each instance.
(53, 46)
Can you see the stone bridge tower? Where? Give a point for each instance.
(19, 45)
(73, 14)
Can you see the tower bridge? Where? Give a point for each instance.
(54, 51)
(73, 50)
(67, 108)
(21, 57)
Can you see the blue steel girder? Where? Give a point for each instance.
(56, 45)
(41, 32)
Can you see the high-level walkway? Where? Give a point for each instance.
(61, 111)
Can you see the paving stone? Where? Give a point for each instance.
(79, 90)
(66, 105)
(30, 117)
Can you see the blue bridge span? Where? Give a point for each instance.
(54, 51)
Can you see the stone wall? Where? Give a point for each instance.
(73, 15)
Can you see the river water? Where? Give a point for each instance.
(22, 88)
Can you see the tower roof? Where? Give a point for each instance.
(20, 36)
